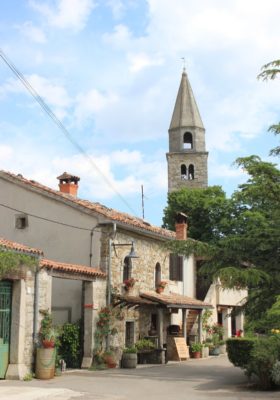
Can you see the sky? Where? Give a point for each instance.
(110, 71)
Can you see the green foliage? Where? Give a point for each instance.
(207, 210)
(239, 351)
(47, 331)
(70, 344)
(11, 262)
(105, 327)
(196, 347)
(28, 377)
(275, 373)
(130, 350)
(144, 344)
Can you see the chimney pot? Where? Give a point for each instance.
(68, 184)
(181, 226)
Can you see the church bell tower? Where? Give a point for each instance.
(187, 156)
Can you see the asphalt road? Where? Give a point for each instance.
(212, 378)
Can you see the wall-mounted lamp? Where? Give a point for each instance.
(132, 253)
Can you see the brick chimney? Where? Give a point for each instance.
(181, 226)
(68, 184)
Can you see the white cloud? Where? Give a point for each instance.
(125, 157)
(92, 102)
(32, 32)
(6, 153)
(140, 61)
(68, 14)
(117, 7)
(121, 38)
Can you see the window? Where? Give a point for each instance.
(191, 172)
(21, 221)
(126, 269)
(184, 172)
(175, 267)
(157, 274)
(129, 333)
(188, 141)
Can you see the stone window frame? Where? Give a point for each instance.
(21, 221)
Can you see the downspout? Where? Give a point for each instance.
(109, 280)
(36, 302)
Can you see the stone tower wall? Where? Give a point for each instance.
(175, 160)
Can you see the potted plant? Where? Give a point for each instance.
(196, 350)
(214, 349)
(205, 350)
(129, 357)
(109, 359)
(129, 283)
(46, 353)
(161, 286)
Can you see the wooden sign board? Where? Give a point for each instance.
(182, 348)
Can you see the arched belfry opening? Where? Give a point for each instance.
(191, 172)
(188, 141)
(184, 172)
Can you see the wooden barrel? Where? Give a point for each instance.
(129, 360)
(45, 363)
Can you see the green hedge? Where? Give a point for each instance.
(239, 351)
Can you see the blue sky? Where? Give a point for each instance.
(110, 70)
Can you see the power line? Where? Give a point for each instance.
(46, 219)
(60, 125)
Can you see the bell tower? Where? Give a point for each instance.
(187, 156)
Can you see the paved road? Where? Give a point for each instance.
(213, 378)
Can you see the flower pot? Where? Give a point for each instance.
(196, 354)
(205, 352)
(223, 348)
(48, 344)
(45, 363)
(129, 360)
(159, 290)
(214, 351)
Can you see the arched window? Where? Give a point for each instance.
(157, 274)
(126, 269)
(188, 141)
(184, 172)
(191, 172)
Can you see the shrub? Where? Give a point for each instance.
(70, 344)
(275, 373)
(239, 351)
(144, 344)
(130, 350)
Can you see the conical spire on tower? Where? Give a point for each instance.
(186, 113)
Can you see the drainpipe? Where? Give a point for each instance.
(109, 279)
(36, 302)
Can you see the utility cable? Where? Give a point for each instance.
(60, 125)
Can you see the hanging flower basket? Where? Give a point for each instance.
(129, 283)
(161, 286)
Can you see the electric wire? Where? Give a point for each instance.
(47, 219)
(60, 125)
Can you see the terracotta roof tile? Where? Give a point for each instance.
(98, 208)
(8, 244)
(72, 268)
(175, 299)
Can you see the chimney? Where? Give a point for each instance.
(181, 226)
(68, 184)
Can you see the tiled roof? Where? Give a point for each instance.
(97, 208)
(175, 299)
(8, 244)
(136, 300)
(71, 268)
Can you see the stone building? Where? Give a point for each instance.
(27, 290)
(187, 156)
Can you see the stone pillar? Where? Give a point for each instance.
(240, 321)
(89, 317)
(17, 368)
(184, 323)
(160, 335)
(227, 323)
(200, 326)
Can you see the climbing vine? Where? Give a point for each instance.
(11, 261)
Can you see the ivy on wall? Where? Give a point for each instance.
(11, 261)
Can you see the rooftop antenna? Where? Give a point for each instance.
(184, 63)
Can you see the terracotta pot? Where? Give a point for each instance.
(159, 290)
(48, 344)
(196, 354)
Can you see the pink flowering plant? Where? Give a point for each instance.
(129, 283)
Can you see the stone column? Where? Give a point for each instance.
(89, 316)
(200, 326)
(227, 323)
(184, 323)
(17, 368)
(160, 335)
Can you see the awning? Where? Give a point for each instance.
(175, 300)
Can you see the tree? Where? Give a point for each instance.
(271, 71)
(207, 210)
(243, 251)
